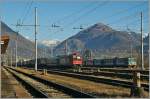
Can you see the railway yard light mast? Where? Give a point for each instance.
(16, 50)
(35, 38)
(142, 58)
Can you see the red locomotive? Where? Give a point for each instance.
(73, 59)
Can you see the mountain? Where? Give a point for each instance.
(47, 47)
(102, 39)
(26, 48)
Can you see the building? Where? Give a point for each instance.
(4, 43)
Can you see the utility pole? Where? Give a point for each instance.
(65, 50)
(11, 57)
(142, 58)
(35, 38)
(14, 55)
(21, 61)
(16, 48)
(35, 26)
(45, 53)
(51, 51)
(65, 47)
(130, 42)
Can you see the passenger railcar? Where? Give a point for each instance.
(115, 62)
(125, 62)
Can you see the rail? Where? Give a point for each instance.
(32, 90)
(123, 83)
(115, 82)
(122, 70)
(68, 90)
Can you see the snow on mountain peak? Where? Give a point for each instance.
(50, 42)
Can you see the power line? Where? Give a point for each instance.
(129, 17)
(85, 14)
(26, 7)
(74, 13)
(137, 20)
(28, 10)
(145, 19)
(35, 26)
(122, 11)
(112, 15)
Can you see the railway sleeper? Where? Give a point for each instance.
(68, 90)
(32, 90)
(100, 80)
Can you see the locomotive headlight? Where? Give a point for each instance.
(78, 57)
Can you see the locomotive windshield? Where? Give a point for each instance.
(76, 57)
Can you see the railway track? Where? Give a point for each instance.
(41, 88)
(111, 74)
(118, 70)
(101, 79)
(115, 82)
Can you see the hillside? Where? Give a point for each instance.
(26, 47)
(101, 39)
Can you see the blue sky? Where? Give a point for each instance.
(73, 13)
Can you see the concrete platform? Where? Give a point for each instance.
(10, 87)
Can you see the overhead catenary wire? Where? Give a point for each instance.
(88, 12)
(26, 7)
(128, 17)
(27, 11)
(75, 13)
(106, 17)
(85, 14)
(62, 19)
(21, 20)
(137, 20)
(120, 12)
